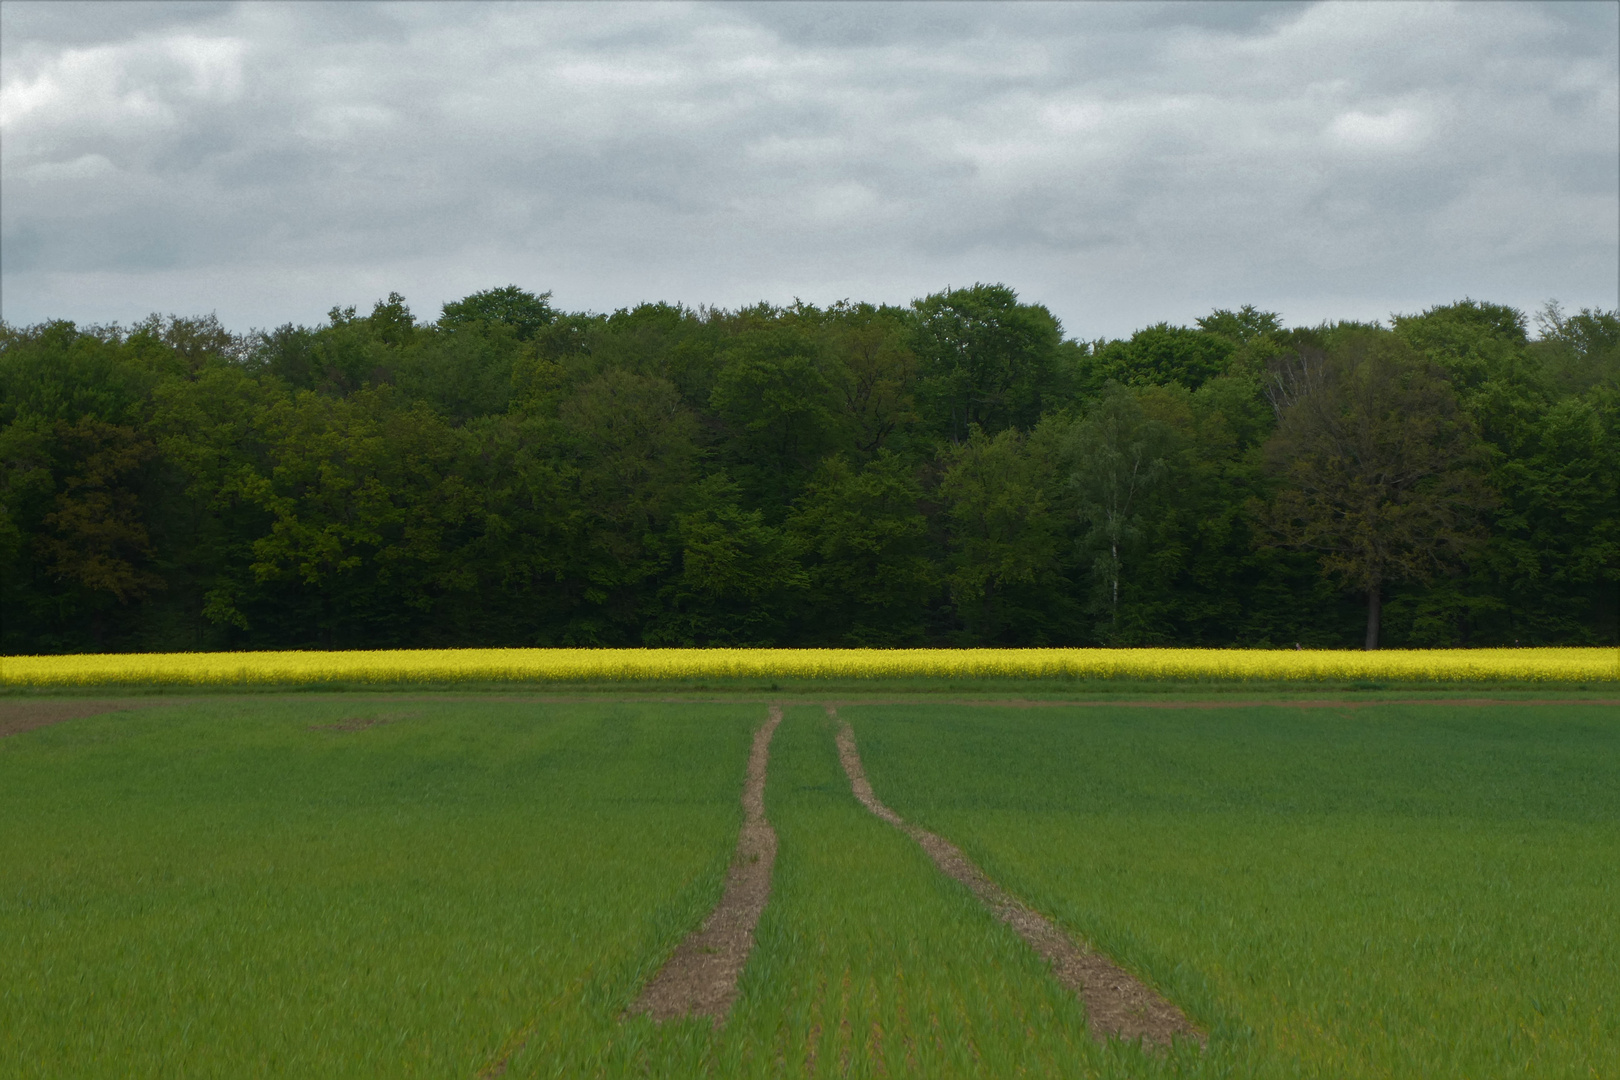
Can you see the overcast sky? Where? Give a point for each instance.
(1122, 164)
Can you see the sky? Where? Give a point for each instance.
(1122, 164)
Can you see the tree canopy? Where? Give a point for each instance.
(958, 470)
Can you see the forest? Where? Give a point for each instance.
(956, 471)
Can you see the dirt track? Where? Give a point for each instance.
(700, 979)
(361, 723)
(18, 715)
(1326, 703)
(1166, 702)
(1118, 1005)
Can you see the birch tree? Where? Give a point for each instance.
(1119, 457)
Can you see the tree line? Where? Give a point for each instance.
(955, 471)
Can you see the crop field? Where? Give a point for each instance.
(448, 885)
(451, 666)
(1390, 890)
(344, 887)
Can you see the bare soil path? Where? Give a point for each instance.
(839, 698)
(18, 715)
(1279, 702)
(700, 979)
(361, 723)
(1118, 1005)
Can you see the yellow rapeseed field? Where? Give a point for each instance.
(617, 665)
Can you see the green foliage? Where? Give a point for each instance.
(93, 537)
(464, 375)
(874, 374)
(738, 574)
(930, 474)
(1006, 546)
(55, 371)
(525, 313)
(607, 492)
(1174, 354)
(1242, 326)
(778, 407)
(1554, 545)
(1120, 459)
(1472, 341)
(1580, 350)
(987, 361)
(1379, 467)
(863, 540)
(361, 497)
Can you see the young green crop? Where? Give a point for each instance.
(237, 887)
(1391, 891)
(216, 889)
(869, 963)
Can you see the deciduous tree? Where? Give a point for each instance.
(987, 360)
(1119, 456)
(1379, 468)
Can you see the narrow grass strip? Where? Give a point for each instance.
(1118, 1005)
(1549, 666)
(700, 979)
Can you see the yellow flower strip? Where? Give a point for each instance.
(617, 665)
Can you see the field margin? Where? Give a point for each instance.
(816, 691)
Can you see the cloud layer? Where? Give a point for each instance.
(1121, 164)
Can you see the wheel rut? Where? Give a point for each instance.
(700, 979)
(25, 714)
(1118, 1005)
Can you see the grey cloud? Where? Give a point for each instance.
(70, 23)
(1120, 163)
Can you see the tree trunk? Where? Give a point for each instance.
(1375, 608)
(1114, 609)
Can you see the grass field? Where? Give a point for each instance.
(348, 885)
(1385, 891)
(215, 889)
(870, 963)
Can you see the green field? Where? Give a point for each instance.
(1394, 890)
(215, 889)
(231, 886)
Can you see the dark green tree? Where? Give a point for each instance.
(864, 543)
(1005, 541)
(361, 496)
(524, 312)
(1471, 341)
(1379, 469)
(1241, 326)
(737, 578)
(873, 372)
(606, 497)
(1162, 354)
(1579, 351)
(952, 471)
(779, 410)
(987, 361)
(1119, 458)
